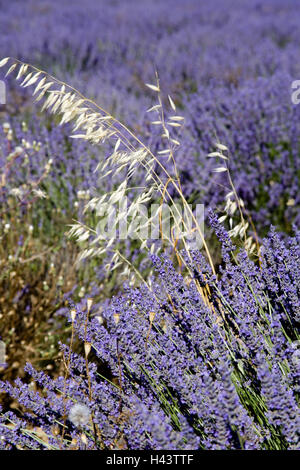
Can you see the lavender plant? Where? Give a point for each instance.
(201, 351)
(176, 376)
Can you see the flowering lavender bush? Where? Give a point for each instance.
(183, 370)
(198, 349)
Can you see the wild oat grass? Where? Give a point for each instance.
(97, 126)
(92, 123)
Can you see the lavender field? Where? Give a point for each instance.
(150, 243)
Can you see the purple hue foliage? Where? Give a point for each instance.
(229, 68)
(196, 376)
(167, 368)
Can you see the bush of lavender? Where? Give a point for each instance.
(184, 369)
(138, 343)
